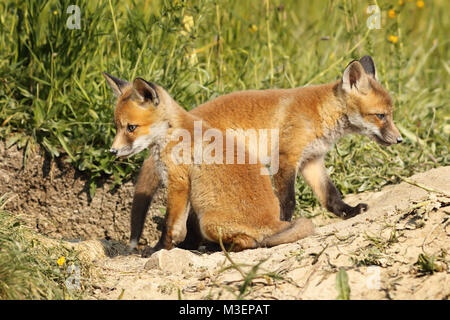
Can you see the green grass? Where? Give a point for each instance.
(29, 267)
(52, 92)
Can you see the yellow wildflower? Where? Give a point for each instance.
(391, 13)
(420, 4)
(400, 2)
(253, 28)
(188, 23)
(61, 261)
(393, 39)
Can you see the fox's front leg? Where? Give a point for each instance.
(284, 183)
(174, 230)
(316, 176)
(147, 184)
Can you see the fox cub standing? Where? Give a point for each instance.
(310, 120)
(244, 216)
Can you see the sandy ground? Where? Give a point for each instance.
(397, 250)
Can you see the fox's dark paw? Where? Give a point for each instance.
(350, 211)
(148, 251)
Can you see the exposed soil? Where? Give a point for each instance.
(396, 250)
(53, 197)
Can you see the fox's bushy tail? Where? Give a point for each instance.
(293, 231)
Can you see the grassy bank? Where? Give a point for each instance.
(52, 92)
(33, 268)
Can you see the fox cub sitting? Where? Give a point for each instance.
(233, 201)
(309, 120)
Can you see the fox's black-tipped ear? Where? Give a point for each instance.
(116, 84)
(144, 91)
(355, 78)
(369, 66)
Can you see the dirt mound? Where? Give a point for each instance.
(396, 250)
(54, 198)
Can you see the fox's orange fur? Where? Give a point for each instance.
(245, 215)
(310, 120)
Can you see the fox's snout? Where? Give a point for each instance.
(390, 133)
(120, 146)
(396, 140)
(113, 151)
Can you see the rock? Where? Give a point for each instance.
(172, 261)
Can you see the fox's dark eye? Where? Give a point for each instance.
(380, 115)
(131, 127)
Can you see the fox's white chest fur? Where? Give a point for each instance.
(157, 142)
(319, 147)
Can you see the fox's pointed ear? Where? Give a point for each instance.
(355, 78)
(115, 84)
(369, 66)
(144, 91)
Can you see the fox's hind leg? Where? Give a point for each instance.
(242, 236)
(236, 235)
(241, 242)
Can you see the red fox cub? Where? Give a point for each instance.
(246, 215)
(310, 120)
